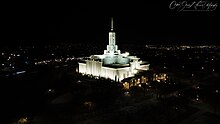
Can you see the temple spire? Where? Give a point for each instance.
(112, 24)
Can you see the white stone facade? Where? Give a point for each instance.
(112, 64)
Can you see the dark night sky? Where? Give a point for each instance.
(142, 22)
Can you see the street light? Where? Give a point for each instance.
(23, 120)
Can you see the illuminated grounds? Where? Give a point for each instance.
(174, 91)
(44, 86)
(181, 86)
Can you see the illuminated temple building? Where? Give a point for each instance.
(112, 64)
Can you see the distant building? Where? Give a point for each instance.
(112, 64)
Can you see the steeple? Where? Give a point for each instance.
(112, 24)
(112, 48)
